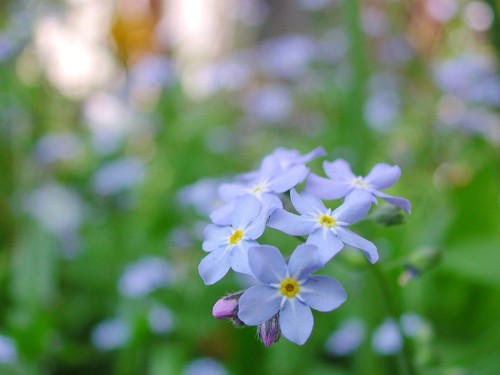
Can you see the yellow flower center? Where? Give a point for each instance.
(289, 288)
(326, 221)
(236, 237)
(257, 189)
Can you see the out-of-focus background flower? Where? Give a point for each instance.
(118, 120)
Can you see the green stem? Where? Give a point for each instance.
(405, 363)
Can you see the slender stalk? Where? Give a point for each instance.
(406, 366)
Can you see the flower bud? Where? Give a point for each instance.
(227, 308)
(420, 261)
(269, 332)
(388, 215)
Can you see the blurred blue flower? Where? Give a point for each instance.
(109, 119)
(228, 245)
(145, 276)
(470, 78)
(288, 289)
(326, 229)
(111, 334)
(287, 57)
(57, 208)
(161, 319)
(342, 181)
(57, 147)
(270, 103)
(346, 338)
(116, 176)
(8, 350)
(205, 366)
(315, 5)
(201, 195)
(387, 339)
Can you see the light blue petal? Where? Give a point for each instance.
(269, 169)
(402, 203)
(258, 304)
(246, 209)
(325, 188)
(270, 202)
(296, 321)
(223, 214)
(356, 206)
(267, 264)
(214, 266)
(255, 229)
(288, 179)
(338, 170)
(352, 239)
(323, 293)
(327, 242)
(231, 191)
(383, 176)
(316, 153)
(238, 257)
(289, 223)
(305, 202)
(215, 236)
(303, 261)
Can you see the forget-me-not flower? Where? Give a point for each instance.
(228, 245)
(325, 228)
(289, 289)
(342, 181)
(278, 173)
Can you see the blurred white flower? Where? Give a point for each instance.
(478, 15)
(387, 339)
(109, 119)
(57, 208)
(160, 319)
(346, 338)
(145, 276)
(73, 49)
(8, 350)
(205, 366)
(441, 10)
(271, 103)
(111, 334)
(119, 175)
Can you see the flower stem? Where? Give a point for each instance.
(405, 362)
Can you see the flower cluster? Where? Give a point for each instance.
(285, 291)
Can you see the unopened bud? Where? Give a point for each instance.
(269, 332)
(420, 261)
(388, 215)
(227, 308)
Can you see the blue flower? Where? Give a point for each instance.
(342, 181)
(279, 172)
(228, 245)
(325, 228)
(288, 289)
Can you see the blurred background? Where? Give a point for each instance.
(118, 120)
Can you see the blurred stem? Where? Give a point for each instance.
(405, 360)
(354, 130)
(495, 27)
